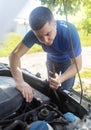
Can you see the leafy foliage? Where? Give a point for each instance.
(71, 6)
(11, 40)
(87, 20)
(86, 25)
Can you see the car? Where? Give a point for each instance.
(60, 109)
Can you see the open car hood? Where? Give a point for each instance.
(61, 109)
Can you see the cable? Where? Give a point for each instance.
(73, 51)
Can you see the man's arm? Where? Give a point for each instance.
(16, 71)
(70, 72)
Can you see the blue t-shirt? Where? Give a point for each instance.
(61, 49)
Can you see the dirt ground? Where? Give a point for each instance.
(36, 62)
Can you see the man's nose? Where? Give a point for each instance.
(45, 39)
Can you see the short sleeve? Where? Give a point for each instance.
(29, 39)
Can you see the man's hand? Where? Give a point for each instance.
(26, 90)
(54, 81)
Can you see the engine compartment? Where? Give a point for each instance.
(34, 111)
(47, 105)
(39, 110)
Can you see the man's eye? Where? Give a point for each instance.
(48, 34)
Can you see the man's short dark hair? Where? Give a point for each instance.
(39, 17)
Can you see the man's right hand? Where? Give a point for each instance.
(26, 90)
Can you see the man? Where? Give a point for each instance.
(54, 38)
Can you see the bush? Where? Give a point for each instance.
(85, 40)
(11, 40)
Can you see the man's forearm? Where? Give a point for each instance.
(70, 72)
(72, 69)
(16, 68)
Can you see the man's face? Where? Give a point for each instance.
(47, 33)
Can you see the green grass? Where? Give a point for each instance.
(11, 40)
(35, 48)
(86, 89)
(86, 85)
(86, 73)
(85, 40)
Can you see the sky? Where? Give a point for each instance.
(8, 12)
(29, 6)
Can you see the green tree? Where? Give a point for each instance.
(86, 23)
(58, 5)
(72, 6)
